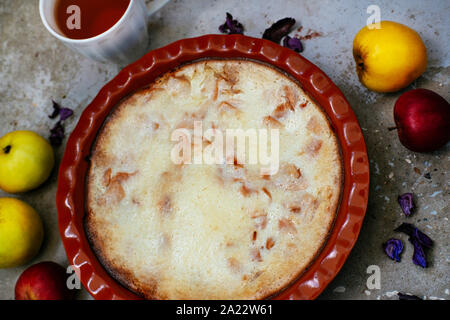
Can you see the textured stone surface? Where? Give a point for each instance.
(35, 68)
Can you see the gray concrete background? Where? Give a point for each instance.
(35, 68)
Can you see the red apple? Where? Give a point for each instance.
(422, 118)
(43, 281)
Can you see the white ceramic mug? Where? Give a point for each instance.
(123, 43)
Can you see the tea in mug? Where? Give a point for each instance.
(83, 19)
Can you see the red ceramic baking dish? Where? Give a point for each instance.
(75, 163)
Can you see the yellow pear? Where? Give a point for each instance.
(26, 161)
(390, 57)
(21, 232)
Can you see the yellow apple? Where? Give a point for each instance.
(389, 58)
(21, 232)
(26, 161)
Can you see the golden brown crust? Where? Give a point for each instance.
(110, 191)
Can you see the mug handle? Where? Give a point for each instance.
(155, 6)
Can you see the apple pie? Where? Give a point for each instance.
(181, 228)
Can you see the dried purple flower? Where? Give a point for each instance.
(406, 203)
(413, 232)
(419, 240)
(57, 134)
(231, 26)
(279, 29)
(419, 257)
(393, 249)
(56, 109)
(65, 113)
(403, 296)
(293, 43)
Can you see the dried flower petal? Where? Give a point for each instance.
(56, 109)
(419, 240)
(419, 257)
(57, 134)
(403, 296)
(413, 232)
(293, 43)
(231, 26)
(407, 204)
(65, 113)
(279, 29)
(393, 249)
